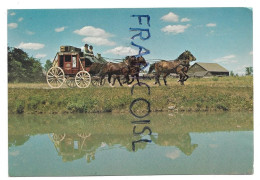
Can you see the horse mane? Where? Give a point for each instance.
(183, 55)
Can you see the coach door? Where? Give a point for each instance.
(67, 64)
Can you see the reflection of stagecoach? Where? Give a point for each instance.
(70, 66)
(71, 146)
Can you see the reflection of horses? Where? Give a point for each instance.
(130, 66)
(180, 140)
(179, 66)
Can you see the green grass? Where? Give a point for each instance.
(206, 94)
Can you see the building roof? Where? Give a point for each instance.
(212, 67)
(200, 74)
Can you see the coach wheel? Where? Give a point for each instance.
(82, 79)
(96, 81)
(55, 77)
(71, 82)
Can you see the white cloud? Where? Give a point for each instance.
(29, 32)
(210, 33)
(92, 32)
(60, 29)
(12, 25)
(98, 41)
(40, 55)
(185, 19)
(226, 59)
(175, 29)
(123, 51)
(20, 19)
(33, 46)
(96, 36)
(170, 17)
(12, 14)
(229, 56)
(211, 25)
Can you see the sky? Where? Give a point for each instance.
(212, 35)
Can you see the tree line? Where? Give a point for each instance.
(248, 72)
(22, 68)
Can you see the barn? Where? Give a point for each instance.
(207, 69)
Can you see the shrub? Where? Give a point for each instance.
(19, 107)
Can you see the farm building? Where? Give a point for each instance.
(207, 69)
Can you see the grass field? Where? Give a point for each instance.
(204, 94)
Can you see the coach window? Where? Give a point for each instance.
(74, 61)
(68, 58)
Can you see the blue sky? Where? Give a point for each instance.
(216, 35)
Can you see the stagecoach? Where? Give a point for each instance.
(71, 67)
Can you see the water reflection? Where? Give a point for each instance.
(80, 136)
(73, 146)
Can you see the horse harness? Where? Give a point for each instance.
(185, 65)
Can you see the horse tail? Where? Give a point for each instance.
(152, 67)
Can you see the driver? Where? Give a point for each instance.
(86, 50)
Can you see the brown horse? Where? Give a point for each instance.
(179, 66)
(135, 69)
(122, 68)
(95, 68)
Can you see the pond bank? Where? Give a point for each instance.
(194, 96)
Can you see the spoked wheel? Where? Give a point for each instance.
(96, 81)
(71, 82)
(84, 135)
(55, 77)
(57, 137)
(82, 79)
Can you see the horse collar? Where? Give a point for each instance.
(126, 63)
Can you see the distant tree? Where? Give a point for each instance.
(22, 68)
(232, 73)
(48, 65)
(249, 71)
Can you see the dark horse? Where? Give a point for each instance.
(179, 66)
(135, 69)
(130, 66)
(95, 68)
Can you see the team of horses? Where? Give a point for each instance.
(132, 65)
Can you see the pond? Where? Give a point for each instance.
(111, 144)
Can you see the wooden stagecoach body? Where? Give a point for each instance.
(70, 63)
(70, 66)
